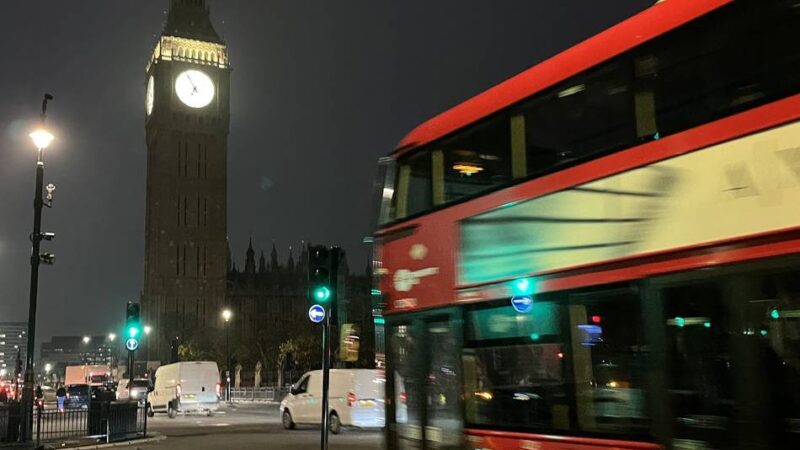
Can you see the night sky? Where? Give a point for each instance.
(320, 90)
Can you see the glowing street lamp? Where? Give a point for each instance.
(42, 138)
(226, 316)
(47, 368)
(147, 329)
(112, 337)
(86, 339)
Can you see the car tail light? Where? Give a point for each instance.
(178, 390)
(351, 399)
(403, 397)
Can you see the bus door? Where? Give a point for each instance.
(424, 381)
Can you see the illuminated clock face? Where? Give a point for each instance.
(194, 88)
(151, 95)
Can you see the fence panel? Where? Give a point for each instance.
(111, 421)
(53, 424)
(261, 394)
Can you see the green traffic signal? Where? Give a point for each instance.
(522, 286)
(322, 294)
(133, 332)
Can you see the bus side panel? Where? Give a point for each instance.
(517, 441)
(419, 268)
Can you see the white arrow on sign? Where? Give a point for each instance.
(316, 313)
(131, 344)
(522, 304)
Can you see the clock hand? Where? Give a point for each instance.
(194, 87)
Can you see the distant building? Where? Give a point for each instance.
(13, 339)
(268, 300)
(63, 351)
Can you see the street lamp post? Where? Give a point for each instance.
(47, 368)
(42, 139)
(226, 315)
(111, 338)
(147, 330)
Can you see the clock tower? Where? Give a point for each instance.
(187, 117)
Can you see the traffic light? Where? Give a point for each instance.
(323, 277)
(132, 326)
(319, 275)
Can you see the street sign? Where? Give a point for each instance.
(132, 344)
(316, 313)
(522, 304)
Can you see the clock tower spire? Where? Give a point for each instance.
(187, 115)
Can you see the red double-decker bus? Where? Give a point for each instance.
(603, 251)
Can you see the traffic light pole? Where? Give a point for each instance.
(326, 363)
(131, 359)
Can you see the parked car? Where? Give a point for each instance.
(138, 390)
(355, 397)
(185, 387)
(77, 396)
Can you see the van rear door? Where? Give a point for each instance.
(199, 381)
(367, 403)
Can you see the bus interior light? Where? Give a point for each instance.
(467, 169)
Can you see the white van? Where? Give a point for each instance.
(356, 398)
(185, 387)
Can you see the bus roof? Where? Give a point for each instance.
(646, 25)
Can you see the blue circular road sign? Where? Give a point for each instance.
(316, 313)
(132, 344)
(522, 304)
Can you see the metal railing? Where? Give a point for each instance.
(108, 421)
(260, 394)
(111, 421)
(52, 424)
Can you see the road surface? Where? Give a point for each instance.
(249, 427)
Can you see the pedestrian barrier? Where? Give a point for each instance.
(10, 415)
(260, 394)
(107, 421)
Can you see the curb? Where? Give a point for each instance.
(156, 438)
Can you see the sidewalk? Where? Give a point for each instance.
(85, 444)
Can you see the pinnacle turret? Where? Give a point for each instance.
(190, 19)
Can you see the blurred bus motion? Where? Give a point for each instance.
(637, 197)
